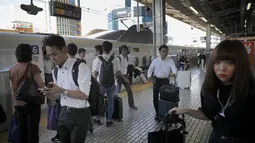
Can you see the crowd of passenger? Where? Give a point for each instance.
(227, 93)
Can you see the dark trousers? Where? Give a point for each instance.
(217, 138)
(29, 119)
(130, 70)
(156, 85)
(120, 81)
(73, 124)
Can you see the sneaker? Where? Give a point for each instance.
(97, 121)
(109, 123)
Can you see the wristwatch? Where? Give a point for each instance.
(65, 93)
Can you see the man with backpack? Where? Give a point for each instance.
(73, 89)
(107, 67)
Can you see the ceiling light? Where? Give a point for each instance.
(204, 19)
(212, 25)
(217, 29)
(244, 25)
(248, 6)
(193, 10)
(245, 21)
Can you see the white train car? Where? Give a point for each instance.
(9, 42)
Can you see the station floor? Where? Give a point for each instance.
(137, 123)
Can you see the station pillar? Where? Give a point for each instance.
(208, 37)
(208, 42)
(159, 27)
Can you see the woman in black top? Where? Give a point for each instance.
(227, 95)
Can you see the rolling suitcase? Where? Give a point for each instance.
(184, 79)
(169, 98)
(118, 109)
(163, 108)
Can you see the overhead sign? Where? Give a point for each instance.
(65, 10)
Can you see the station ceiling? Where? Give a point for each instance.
(229, 17)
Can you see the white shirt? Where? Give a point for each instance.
(131, 59)
(65, 80)
(123, 64)
(162, 68)
(48, 65)
(97, 64)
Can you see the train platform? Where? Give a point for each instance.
(137, 123)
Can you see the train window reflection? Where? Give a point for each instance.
(137, 61)
(144, 60)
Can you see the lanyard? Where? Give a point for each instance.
(222, 112)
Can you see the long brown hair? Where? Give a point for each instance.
(235, 51)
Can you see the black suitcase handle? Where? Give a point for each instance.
(173, 119)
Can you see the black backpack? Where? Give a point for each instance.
(95, 99)
(106, 76)
(82, 60)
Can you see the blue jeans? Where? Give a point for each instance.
(111, 92)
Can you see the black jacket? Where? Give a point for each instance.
(240, 116)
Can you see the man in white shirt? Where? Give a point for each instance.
(123, 60)
(75, 115)
(130, 68)
(160, 70)
(107, 67)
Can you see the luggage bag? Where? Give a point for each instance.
(169, 134)
(118, 108)
(169, 92)
(169, 98)
(184, 79)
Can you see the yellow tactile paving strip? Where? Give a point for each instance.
(135, 88)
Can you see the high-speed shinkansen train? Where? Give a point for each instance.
(9, 42)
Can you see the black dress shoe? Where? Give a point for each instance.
(109, 123)
(133, 107)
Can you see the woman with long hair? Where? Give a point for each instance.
(227, 95)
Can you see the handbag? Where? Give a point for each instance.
(169, 92)
(28, 89)
(2, 115)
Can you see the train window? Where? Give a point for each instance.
(150, 59)
(136, 61)
(135, 49)
(144, 60)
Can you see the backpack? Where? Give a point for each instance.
(106, 76)
(95, 99)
